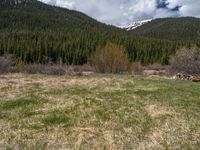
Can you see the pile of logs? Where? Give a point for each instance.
(181, 76)
(196, 79)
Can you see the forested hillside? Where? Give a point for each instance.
(39, 33)
(186, 28)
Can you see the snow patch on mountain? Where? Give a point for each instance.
(135, 25)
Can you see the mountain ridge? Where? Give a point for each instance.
(182, 28)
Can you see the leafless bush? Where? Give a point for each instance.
(45, 69)
(55, 69)
(110, 59)
(186, 61)
(156, 66)
(7, 63)
(83, 68)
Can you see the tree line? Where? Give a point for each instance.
(76, 47)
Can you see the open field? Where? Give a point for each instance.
(98, 112)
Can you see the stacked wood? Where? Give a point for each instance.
(181, 76)
(196, 79)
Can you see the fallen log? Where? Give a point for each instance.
(196, 80)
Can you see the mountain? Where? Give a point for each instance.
(37, 15)
(39, 33)
(135, 25)
(34, 31)
(185, 28)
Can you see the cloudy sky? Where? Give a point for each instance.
(123, 12)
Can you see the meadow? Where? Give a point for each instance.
(98, 112)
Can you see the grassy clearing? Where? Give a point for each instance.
(56, 118)
(98, 112)
(19, 103)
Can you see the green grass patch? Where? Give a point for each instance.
(35, 127)
(19, 103)
(55, 92)
(79, 90)
(56, 119)
(20, 108)
(27, 112)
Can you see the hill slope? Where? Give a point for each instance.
(29, 25)
(186, 28)
(32, 14)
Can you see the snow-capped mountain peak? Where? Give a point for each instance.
(135, 25)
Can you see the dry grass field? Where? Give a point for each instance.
(98, 112)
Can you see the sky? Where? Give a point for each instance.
(124, 12)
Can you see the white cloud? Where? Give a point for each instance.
(62, 3)
(163, 13)
(121, 12)
(187, 7)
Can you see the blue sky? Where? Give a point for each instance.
(122, 12)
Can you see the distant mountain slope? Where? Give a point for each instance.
(37, 15)
(33, 31)
(186, 28)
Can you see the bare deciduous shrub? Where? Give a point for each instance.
(55, 69)
(186, 61)
(7, 63)
(156, 66)
(45, 69)
(83, 68)
(20, 65)
(110, 59)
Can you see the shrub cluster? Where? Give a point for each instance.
(186, 61)
(45, 69)
(110, 59)
(7, 63)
